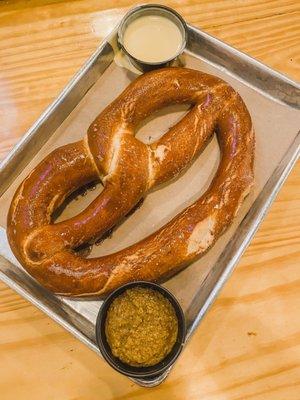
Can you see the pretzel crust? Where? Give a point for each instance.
(128, 169)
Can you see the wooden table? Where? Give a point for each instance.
(248, 346)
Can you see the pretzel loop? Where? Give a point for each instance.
(127, 169)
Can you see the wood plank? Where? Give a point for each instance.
(248, 346)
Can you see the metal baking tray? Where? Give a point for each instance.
(274, 102)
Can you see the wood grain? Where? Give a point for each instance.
(248, 346)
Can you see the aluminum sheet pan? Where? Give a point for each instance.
(273, 101)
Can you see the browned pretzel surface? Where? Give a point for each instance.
(129, 168)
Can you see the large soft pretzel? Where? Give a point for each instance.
(129, 168)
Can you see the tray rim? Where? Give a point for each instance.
(291, 155)
(246, 56)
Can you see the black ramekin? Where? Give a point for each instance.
(152, 9)
(118, 365)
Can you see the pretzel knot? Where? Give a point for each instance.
(128, 169)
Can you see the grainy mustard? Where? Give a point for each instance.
(141, 327)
